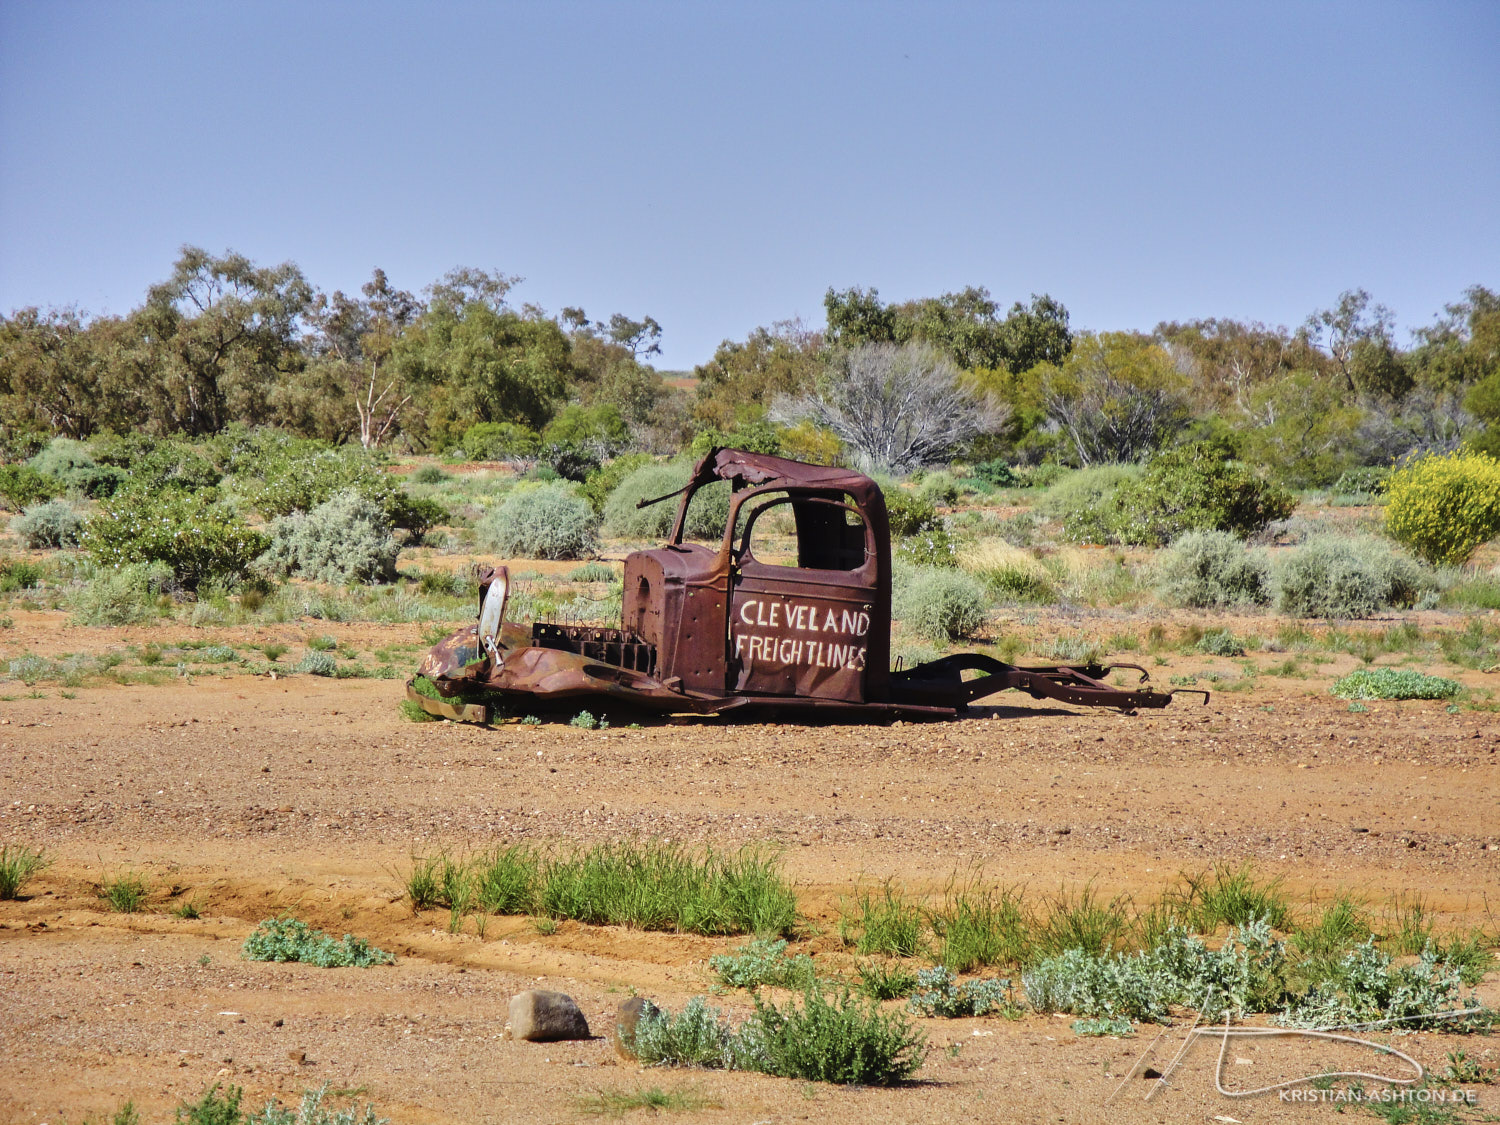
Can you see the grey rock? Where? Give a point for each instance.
(629, 1014)
(544, 1017)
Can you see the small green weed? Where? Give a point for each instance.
(586, 721)
(423, 886)
(617, 1103)
(289, 939)
(273, 653)
(414, 712)
(886, 980)
(188, 909)
(764, 962)
(1119, 1028)
(1409, 927)
(213, 1108)
(943, 996)
(322, 643)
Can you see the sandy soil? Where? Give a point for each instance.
(251, 796)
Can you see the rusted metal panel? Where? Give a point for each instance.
(708, 629)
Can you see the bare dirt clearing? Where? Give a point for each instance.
(251, 796)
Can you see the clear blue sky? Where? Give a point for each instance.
(719, 166)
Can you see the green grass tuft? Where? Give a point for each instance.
(19, 864)
(887, 923)
(125, 893)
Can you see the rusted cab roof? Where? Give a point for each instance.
(762, 468)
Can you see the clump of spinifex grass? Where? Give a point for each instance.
(982, 926)
(125, 893)
(659, 886)
(648, 885)
(1224, 895)
(19, 863)
(886, 922)
(1081, 920)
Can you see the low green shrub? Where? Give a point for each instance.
(157, 464)
(19, 864)
(833, 1037)
(937, 603)
(198, 541)
(19, 574)
(933, 545)
(48, 526)
(1444, 506)
(541, 521)
(763, 962)
(126, 595)
(1195, 488)
(1213, 569)
(1347, 577)
(1083, 502)
(72, 464)
(316, 664)
(907, 512)
(1367, 480)
(22, 486)
(944, 997)
(429, 474)
(697, 1036)
(310, 1111)
(622, 519)
(290, 939)
(998, 473)
(939, 489)
(1221, 642)
(606, 478)
(500, 441)
(1366, 986)
(344, 540)
(1245, 974)
(1394, 683)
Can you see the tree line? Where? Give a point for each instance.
(224, 341)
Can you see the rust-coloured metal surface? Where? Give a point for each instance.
(706, 630)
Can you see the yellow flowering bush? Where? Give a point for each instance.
(1444, 506)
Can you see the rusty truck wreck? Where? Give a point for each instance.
(730, 629)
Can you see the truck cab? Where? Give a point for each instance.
(763, 616)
